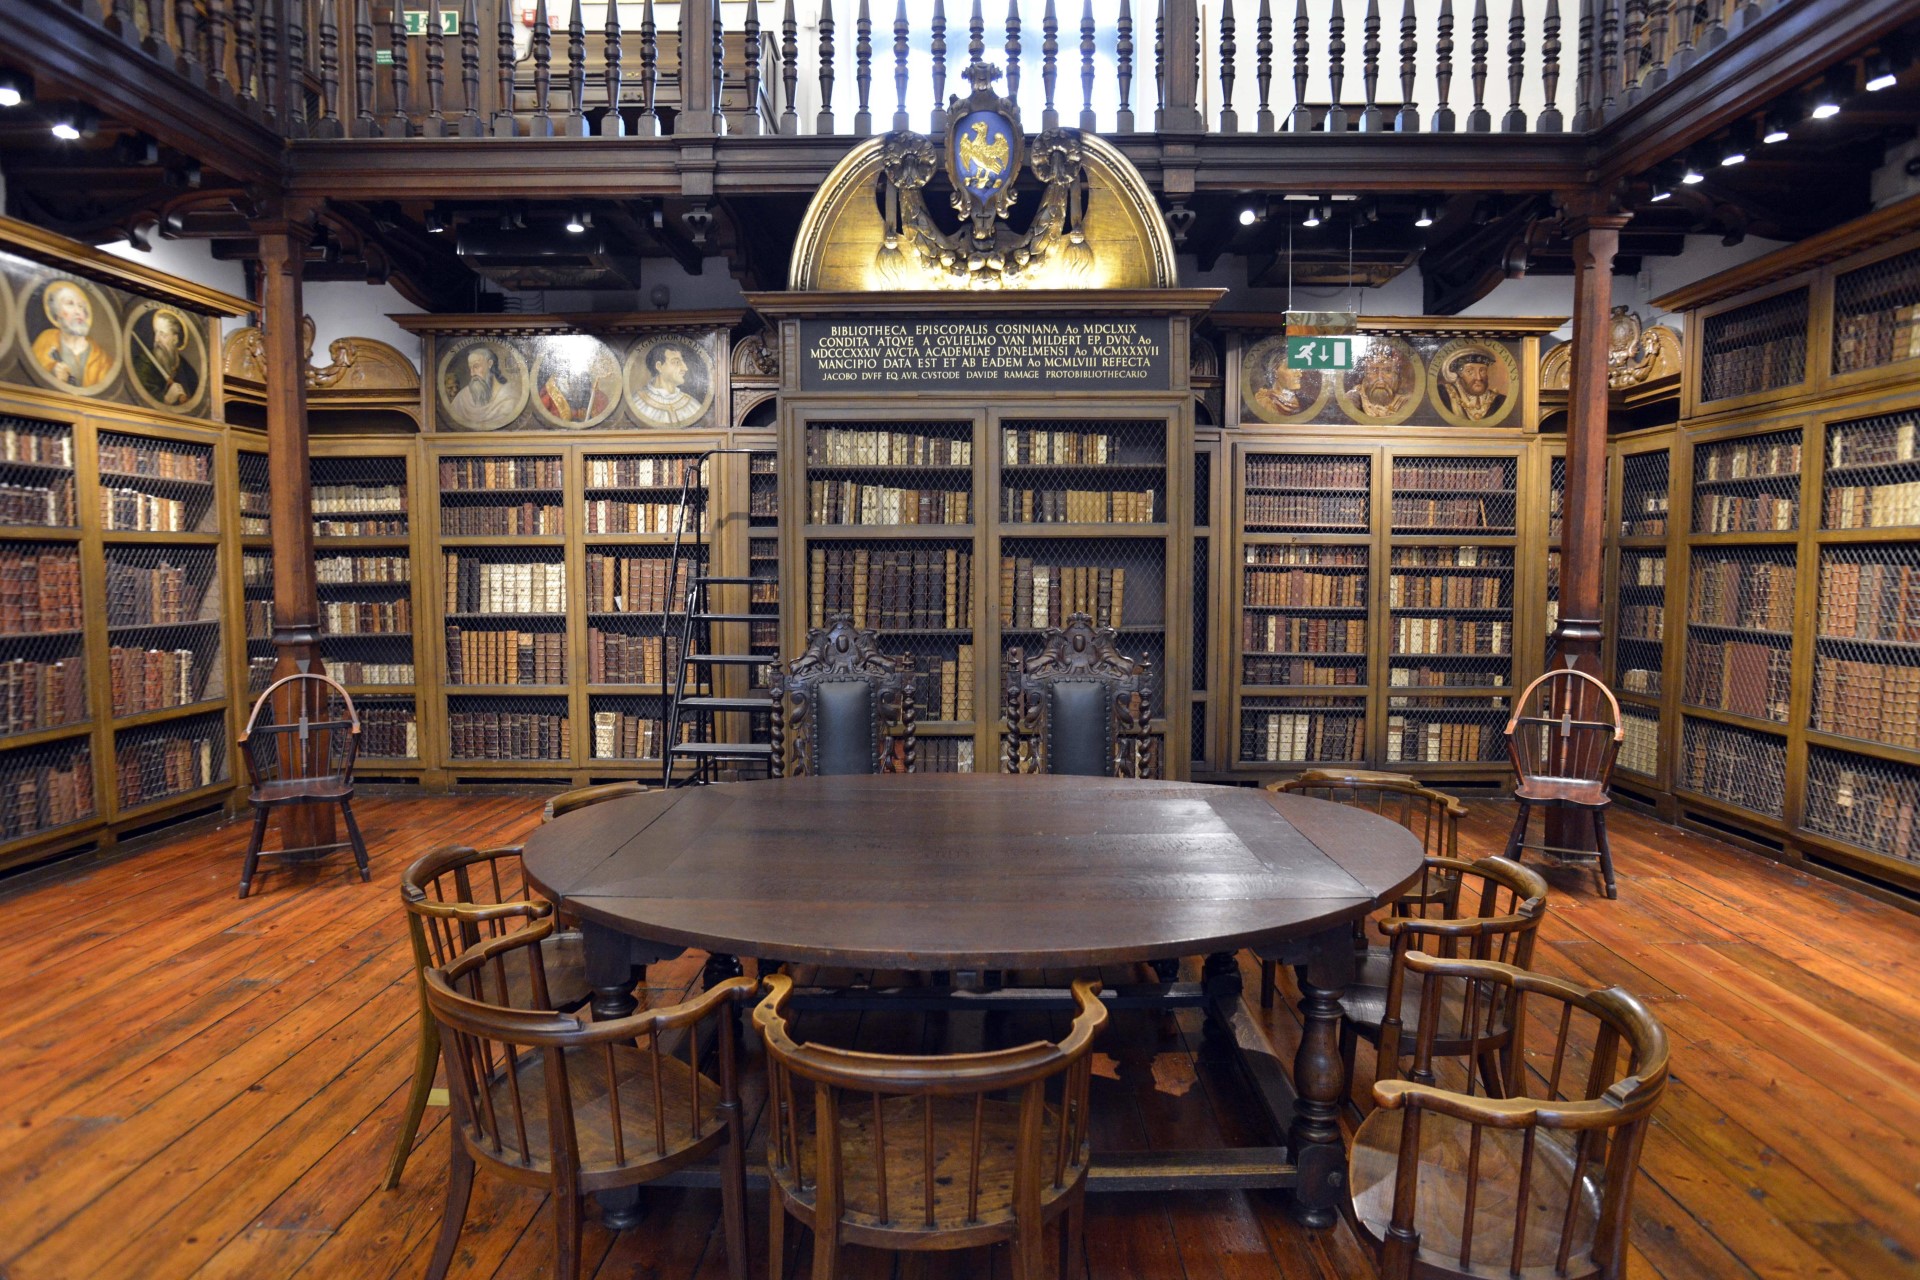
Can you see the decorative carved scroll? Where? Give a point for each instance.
(842, 652)
(1635, 355)
(354, 364)
(1079, 651)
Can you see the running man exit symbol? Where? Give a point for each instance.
(1319, 353)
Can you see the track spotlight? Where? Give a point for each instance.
(1249, 216)
(436, 222)
(1313, 216)
(1880, 72)
(16, 89)
(1426, 216)
(1824, 102)
(1733, 152)
(1691, 176)
(1777, 127)
(578, 221)
(71, 123)
(1660, 193)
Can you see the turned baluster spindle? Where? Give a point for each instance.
(900, 120)
(1407, 119)
(1049, 51)
(1712, 29)
(789, 70)
(328, 123)
(1443, 70)
(400, 124)
(1370, 114)
(1515, 121)
(505, 125)
(470, 123)
(825, 121)
(1583, 71)
(1160, 64)
(1336, 121)
(1658, 18)
(1229, 118)
(1123, 60)
(217, 19)
(648, 126)
(541, 126)
(271, 27)
(1012, 48)
(863, 68)
(435, 124)
(1609, 56)
(156, 24)
(1549, 120)
(245, 35)
(1685, 14)
(939, 49)
(186, 30)
(298, 124)
(1263, 66)
(576, 126)
(1479, 120)
(717, 68)
(1633, 19)
(1302, 120)
(364, 125)
(1086, 65)
(612, 125)
(750, 122)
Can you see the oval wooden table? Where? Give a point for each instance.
(961, 872)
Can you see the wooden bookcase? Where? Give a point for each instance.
(1639, 616)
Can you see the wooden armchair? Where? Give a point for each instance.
(583, 797)
(299, 746)
(840, 707)
(1564, 734)
(455, 898)
(1536, 1183)
(1079, 706)
(544, 1098)
(919, 1153)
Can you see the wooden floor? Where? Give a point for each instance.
(191, 1085)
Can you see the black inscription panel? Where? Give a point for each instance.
(978, 354)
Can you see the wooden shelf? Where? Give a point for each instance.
(162, 714)
(35, 737)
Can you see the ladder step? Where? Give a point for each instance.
(734, 617)
(725, 750)
(731, 659)
(738, 582)
(705, 703)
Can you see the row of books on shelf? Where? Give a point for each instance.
(1449, 591)
(1761, 366)
(1309, 473)
(637, 584)
(1453, 473)
(1452, 558)
(1641, 621)
(1873, 506)
(502, 473)
(155, 768)
(474, 585)
(366, 617)
(943, 687)
(39, 591)
(1043, 595)
(1641, 680)
(258, 618)
(135, 457)
(349, 570)
(256, 568)
(645, 472)
(1262, 669)
(353, 671)
(38, 793)
(1442, 741)
(943, 755)
(503, 520)
(621, 735)
(764, 502)
(1872, 444)
(604, 515)
(1741, 593)
(510, 735)
(1740, 677)
(929, 588)
(1276, 633)
(1869, 601)
(1307, 510)
(130, 510)
(1643, 571)
(846, 447)
(1451, 635)
(1451, 515)
(37, 694)
(372, 527)
(1030, 446)
(1640, 748)
(1078, 506)
(1416, 676)
(1868, 339)
(49, 446)
(614, 657)
(1295, 554)
(1875, 808)
(1745, 513)
(1284, 737)
(506, 657)
(150, 679)
(388, 730)
(851, 502)
(1648, 522)
(158, 594)
(44, 504)
(1268, 587)
(256, 503)
(1773, 455)
(354, 500)
(1878, 702)
(1739, 767)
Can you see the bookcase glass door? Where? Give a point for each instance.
(1638, 616)
(1876, 314)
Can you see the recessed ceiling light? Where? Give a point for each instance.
(1248, 216)
(15, 89)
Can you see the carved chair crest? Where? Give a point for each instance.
(1040, 720)
(811, 718)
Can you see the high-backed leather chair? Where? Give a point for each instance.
(1079, 706)
(842, 706)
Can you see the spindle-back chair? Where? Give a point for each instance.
(1564, 734)
(584, 797)
(1535, 1183)
(544, 1098)
(455, 897)
(920, 1152)
(299, 747)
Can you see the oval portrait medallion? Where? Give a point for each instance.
(669, 381)
(1476, 382)
(167, 357)
(71, 333)
(1386, 382)
(1271, 392)
(576, 380)
(481, 384)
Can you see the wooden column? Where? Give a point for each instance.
(1594, 227)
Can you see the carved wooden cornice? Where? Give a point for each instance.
(356, 366)
(593, 322)
(1442, 326)
(29, 241)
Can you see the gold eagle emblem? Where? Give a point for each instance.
(983, 160)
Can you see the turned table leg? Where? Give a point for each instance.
(1314, 1136)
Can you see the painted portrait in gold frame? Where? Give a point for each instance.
(482, 384)
(576, 381)
(1476, 383)
(1385, 385)
(670, 381)
(1271, 392)
(167, 357)
(71, 333)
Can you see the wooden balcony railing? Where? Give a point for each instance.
(474, 68)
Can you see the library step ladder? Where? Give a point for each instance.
(695, 708)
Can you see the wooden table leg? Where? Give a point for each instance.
(612, 971)
(1318, 1078)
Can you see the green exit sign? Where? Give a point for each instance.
(1319, 353)
(417, 22)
